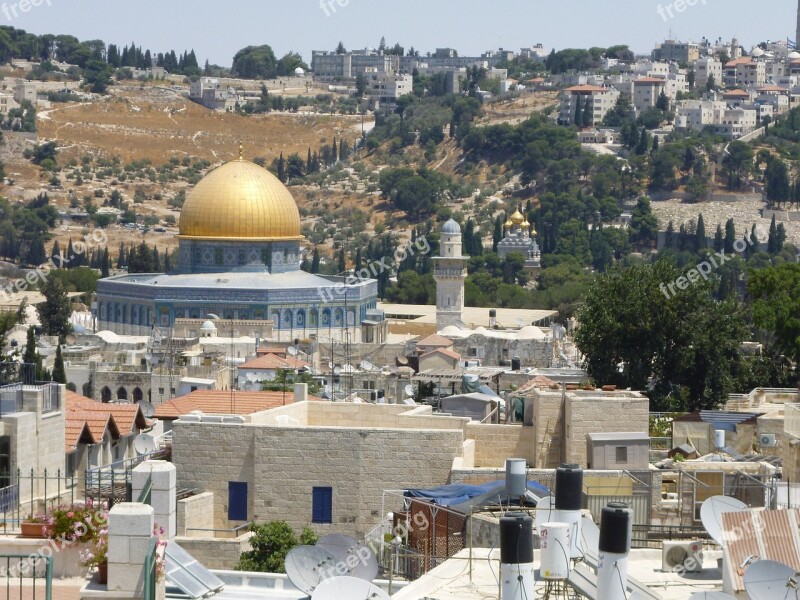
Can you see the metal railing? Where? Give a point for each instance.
(20, 567)
(10, 399)
(150, 569)
(110, 483)
(222, 533)
(51, 398)
(30, 494)
(147, 491)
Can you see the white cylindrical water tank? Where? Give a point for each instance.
(574, 520)
(719, 438)
(516, 477)
(554, 541)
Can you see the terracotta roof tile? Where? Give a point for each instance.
(273, 361)
(87, 419)
(436, 340)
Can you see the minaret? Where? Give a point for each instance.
(450, 272)
(797, 33)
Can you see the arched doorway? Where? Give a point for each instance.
(138, 396)
(105, 394)
(122, 394)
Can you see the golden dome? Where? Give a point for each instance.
(241, 201)
(525, 224)
(508, 223)
(517, 218)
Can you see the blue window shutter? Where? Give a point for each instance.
(322, 505)
(237, 501)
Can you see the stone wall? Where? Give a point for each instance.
(495, 443)
(195, 512)
(611, 412)
(547, 414)
(216, 553)
(281, 465)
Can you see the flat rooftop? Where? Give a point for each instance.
(472, 316)
(451, 580)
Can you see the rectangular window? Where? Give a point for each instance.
(5, 461)
(622, 455)
(237, 501)
(322, 505)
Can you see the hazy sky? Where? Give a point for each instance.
(217, 29)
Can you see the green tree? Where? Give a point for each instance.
(55, 311)
(683, 348)
(776, 305)
(255, 62)
(737, 163)
(701, 243)
(270, 543)
(59, 373)
(776, 182)
(730, 237)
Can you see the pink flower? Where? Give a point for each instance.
(70, 514)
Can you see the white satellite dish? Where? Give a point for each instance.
(348, 588)
(770, 580)
(358, 557)
(148, 410)
(409, 402)
(292, 351)
(545, 510)
(471, 378)
(711, 514)
(711, 596)
(308, 566)
(337, 370)
(409, 390)
(144, 444)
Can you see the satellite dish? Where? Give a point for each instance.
(348, 588)
(308, 566)
(337, 370)
(350, 552)
(409, 402)
(768, 580)
(471, 378)
(409, 390)
(544, 511)
(711, 514)
(711, 596)
(292, 351)
(148, 410)
(144, 444)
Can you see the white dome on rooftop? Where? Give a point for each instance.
(794, 55)
(208, 326)
(299, 71)
(757, 52)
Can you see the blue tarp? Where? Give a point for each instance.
(459, 493)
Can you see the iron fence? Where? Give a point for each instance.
(51, 397)
(27, 576)
(11, 399)
(30, 493)
(112, 483)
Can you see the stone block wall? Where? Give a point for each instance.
(495, 443)
(216, 553)
(195, 512)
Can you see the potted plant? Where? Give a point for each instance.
(33, 526)
(96, 555)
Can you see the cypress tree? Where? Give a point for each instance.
(730, 236)
(59, 374)
(315, 261)
(772, 240)
(718, 239)
(700, 233)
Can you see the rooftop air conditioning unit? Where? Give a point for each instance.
(767, 440)
(684, 557)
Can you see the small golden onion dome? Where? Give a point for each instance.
(509, 223)
(241, 201)
(525, 224)
(517, 218)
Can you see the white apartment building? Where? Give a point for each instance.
(774, 96)
(707, 67)
(745, 72)
(730, 122)
(388, 88)
(646, 91)
(602, 100)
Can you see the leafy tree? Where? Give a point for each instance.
(682, 349)
(255, 62)
(644, 224)
(737, 163)
(776, 182)
(55, 311)
(776, 305)
(270, 543)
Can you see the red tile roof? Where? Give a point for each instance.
(273, 361)
(86, 420)
(736, 94)
(648, 80)
(772, 88)
(436, 340)
(446, 352)
(223, 402)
